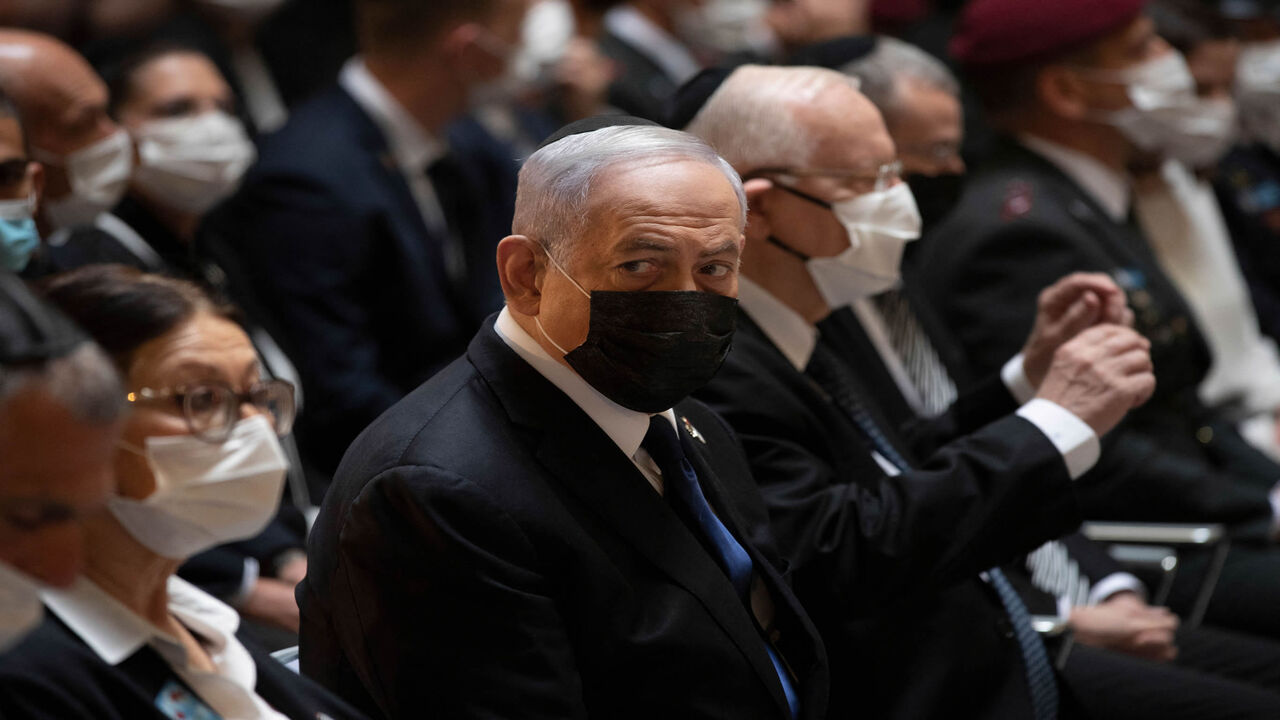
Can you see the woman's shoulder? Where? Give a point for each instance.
(53, 674)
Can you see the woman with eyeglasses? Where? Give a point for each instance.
(199, 464)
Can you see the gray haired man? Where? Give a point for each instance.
(549, 528)
(60, 409)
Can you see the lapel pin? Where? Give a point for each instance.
(693, 431)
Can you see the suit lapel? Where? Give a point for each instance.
(798, 654)
(580, 455)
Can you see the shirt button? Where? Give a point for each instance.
(1205, 435)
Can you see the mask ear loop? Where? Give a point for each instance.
(131, 448)
(537, 320)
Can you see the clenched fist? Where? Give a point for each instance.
(1074, 303)
(1101, 374)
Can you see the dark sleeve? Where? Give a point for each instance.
(1094, 560)
(308, 262)
(439, 600)
(975, 407)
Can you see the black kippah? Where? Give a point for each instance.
(30, 330)
(834, 54)
(593, 123)
(694, 94)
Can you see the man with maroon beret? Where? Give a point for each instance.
(1081, 90)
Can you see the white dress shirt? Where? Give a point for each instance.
(115, 633)
(1184, 223)
(625, 427)
(796, 339)
(411, 148)
(656, 44)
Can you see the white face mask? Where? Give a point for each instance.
(880, 224)
(1167, 117)
(20, 607)
(728, 26)
(98, 174)
(548, 28)
(192, 163)
(207, 495)
(1258, 92)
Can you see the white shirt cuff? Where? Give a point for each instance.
(247, 581)
(1073, 437)
(1116, 583)
(1015, 379)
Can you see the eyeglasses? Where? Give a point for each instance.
(211, 409)
(880, 178)
(938, 153)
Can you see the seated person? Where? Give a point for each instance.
(548, 528)
(57, 391)
(198, 464)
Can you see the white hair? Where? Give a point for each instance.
(742, 121)
(893, 62)
(84, 381)
(554, 190)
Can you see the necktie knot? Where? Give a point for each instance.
(662, 443)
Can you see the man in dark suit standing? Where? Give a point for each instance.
(1076, 97)
(548, 528)
(367, 226)
(888, 537)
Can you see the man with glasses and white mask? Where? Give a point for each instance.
(87, 157)
(1088, 91)
(57, 390)
(894, 534)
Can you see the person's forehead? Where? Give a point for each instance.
(178, 70)
(11, 144)
(924, 112)
(696, 192)
(201, 345)
(848, 131)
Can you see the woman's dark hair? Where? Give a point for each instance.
(123, 308)
(119, 76)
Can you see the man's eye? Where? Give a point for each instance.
(716, 270)
(639, 266)
(34, 518)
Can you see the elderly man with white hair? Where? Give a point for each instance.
(549, 528)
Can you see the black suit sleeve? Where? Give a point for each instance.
(975, 407)
(432, 566)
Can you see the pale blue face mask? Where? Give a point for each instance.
(19, 237)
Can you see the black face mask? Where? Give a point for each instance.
(647, 351)
(935, 195)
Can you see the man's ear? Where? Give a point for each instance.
(1063, 92)
(35, 175)
(521, 271)
(756, 190)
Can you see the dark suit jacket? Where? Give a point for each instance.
(53, 675)
(1021, 226)
(326, 232)
(641, 88)
(487, 551)
(888, 566)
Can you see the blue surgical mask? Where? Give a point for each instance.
(19, 237)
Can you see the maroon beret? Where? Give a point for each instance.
(1002, 32)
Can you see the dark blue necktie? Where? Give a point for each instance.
(681, 482)
(829, 371)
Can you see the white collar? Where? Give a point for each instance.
(413, 148)
(114, 632)
(784, 327)
(625, 427)
(656, 44)
(1108, 188)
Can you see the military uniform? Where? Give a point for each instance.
(1022, 225)
(1248, 189)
